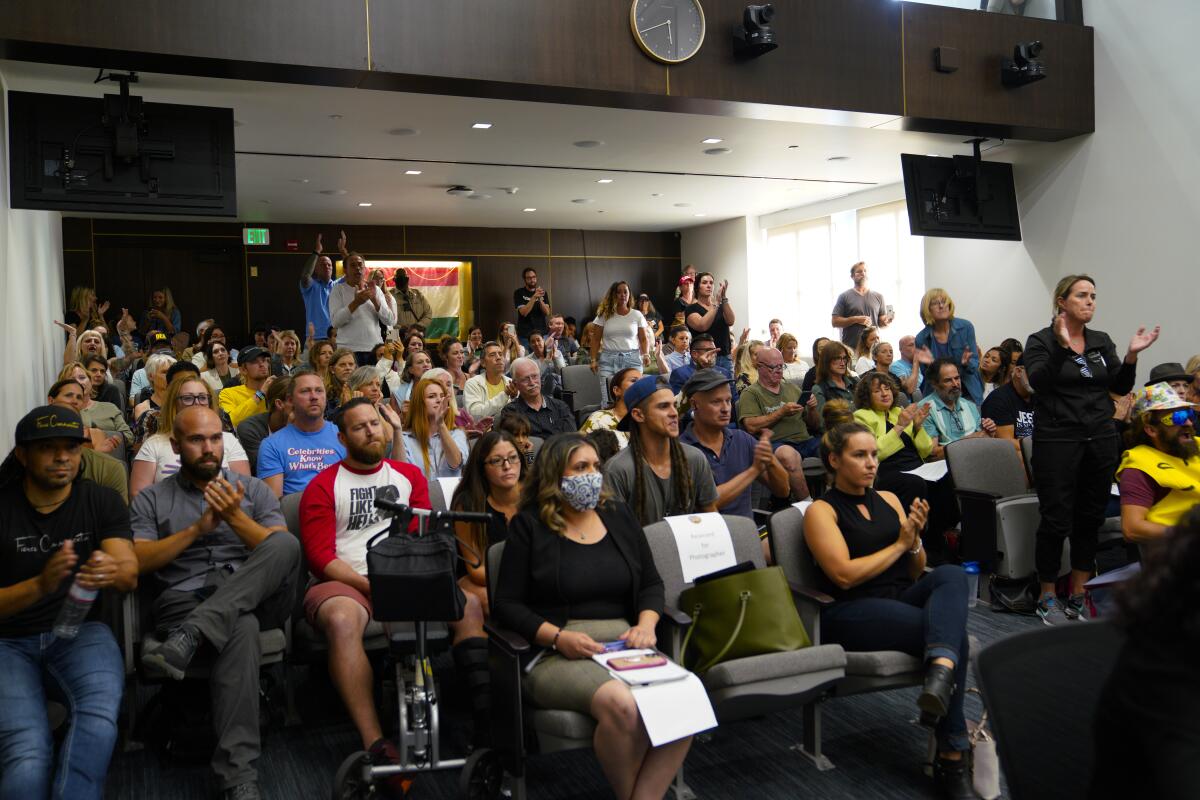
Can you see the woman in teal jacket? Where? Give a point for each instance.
(948, 336)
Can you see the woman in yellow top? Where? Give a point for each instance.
(899, 434)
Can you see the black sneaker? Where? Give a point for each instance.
(1050, 610)
(934, 700)
(243, 791)
(1075, 608)
(174, 655)
(953, 778)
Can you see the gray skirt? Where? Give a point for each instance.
(563, 683)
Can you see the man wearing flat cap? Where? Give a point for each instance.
(57, 529)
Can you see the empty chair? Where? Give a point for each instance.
(999, 511)
(872, 671)
(584, 386)
(750, 687)
(1042, 681)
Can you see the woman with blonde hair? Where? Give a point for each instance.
(433, 442)
(145, 414)
(318, 358)
(948, 336)
(577, 571)
(794, 368)
(83, 309)
(287, 356)
(864, 362)
(462, 418)
(157, 459)
(744, 365)
(622, 338)
(98, 414)
(162, 315)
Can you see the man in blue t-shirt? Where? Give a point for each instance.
(316, 281)
(291, 456)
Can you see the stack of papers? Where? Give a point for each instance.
(672, 701)
(645, 676)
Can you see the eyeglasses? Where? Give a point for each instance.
(1180, 416)
(514, 460)
(193, 399)
(840, 358)
(770, 367)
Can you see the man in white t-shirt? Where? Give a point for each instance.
(338, 519)
(357, 308)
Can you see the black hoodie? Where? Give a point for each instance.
(1071, 392)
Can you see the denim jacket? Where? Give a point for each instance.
(962, 336)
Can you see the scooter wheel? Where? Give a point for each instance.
(481, 776)
(352, 780)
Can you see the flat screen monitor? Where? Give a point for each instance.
(960, 197)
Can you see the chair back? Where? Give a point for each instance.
(1027, 454)
(494, 554)
(746, 547)
(1049, 679)
(986, 465)
(437, 498)
(585, 384)
(537, 443)
(791, 553)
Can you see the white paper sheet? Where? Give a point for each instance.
(1116, 490)
(932, 471)
(704, 544)
(675, 709)
(803, 505)
(448, 486)
(638, 677)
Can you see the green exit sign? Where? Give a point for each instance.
(256, 236)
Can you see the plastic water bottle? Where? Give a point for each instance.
(75, 608)
(971, 568)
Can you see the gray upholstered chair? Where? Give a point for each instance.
(873, 671)
(750, 687)
(584, 386)
(1000, 513)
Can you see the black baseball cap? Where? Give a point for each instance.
(50, 422)
(158, 340)
(248, 354)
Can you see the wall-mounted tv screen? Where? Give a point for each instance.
(960, 197)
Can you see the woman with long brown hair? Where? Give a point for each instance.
(433, 442)
(337, 380)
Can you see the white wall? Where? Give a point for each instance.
(1122, 204)
(31, 298)
(725, 249)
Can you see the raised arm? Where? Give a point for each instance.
(310, 264)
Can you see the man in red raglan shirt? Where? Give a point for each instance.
(337, 519)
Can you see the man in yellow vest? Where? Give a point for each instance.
(1160, 474)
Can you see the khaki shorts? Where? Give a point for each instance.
(562, 683)
(318, 593)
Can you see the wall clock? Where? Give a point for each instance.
(670, 31)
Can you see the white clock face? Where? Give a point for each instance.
(668, 30)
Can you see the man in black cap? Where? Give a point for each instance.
(736, 459)
(243, 402)
(411, 306)
(52, 525)
(657, 475)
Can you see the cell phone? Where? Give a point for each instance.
(613, 647)
(644, 661)
(888, 309)
(804, 396)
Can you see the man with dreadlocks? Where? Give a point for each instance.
(656, 474)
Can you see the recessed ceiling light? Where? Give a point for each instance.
(412, 172)
(838, 158)
(588, 143)
(701, 214)
(683, 205)
(404, 131)
(717, 151)
(529, 209)
(333, 191)
(299, 180)
(583, 200)
(711, 140)
(656, 194)
(793, 147)
(481, 126)
(605, 180)
(335, 116)
(365, 205)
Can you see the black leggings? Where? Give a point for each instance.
(1074, 480)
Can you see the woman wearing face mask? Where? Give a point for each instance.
(577, 571)
(491, 483)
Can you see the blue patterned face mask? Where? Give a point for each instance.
(583, 491)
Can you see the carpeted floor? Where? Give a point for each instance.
(872, 739)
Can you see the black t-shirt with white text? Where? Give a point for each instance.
(28, 539)
(1005, 407)
(536, 319)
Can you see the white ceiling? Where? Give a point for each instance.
(295, 143)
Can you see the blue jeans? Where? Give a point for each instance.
(613, 361)
(725, 363)
(928, 619)
(87, 674)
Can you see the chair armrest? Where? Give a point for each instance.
(568, 397)
(511, 642)
(674, 615)
(812, 595)
(971, 494)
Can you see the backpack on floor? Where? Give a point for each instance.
(1014, 595)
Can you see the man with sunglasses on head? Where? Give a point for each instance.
(1159, 473)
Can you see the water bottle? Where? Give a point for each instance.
(75, 608)
(971, 568)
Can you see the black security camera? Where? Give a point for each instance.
(1024, 67)
(755, 36)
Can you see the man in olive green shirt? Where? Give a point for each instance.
(773, 405)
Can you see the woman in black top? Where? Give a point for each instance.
(871, 556)
(712, 314)
(577, 571)
(1072, 369)
(491, 482)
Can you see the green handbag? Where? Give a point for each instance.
(740, 615)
